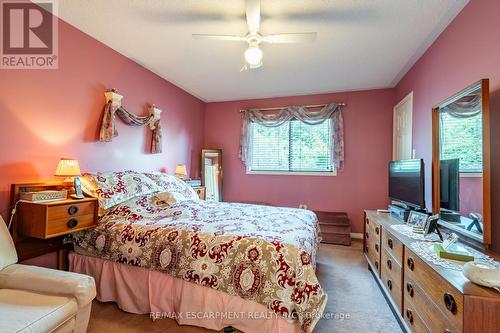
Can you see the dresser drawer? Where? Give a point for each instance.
(447, 299)
(393, 285)
(373, 254)
(435, 320)
(413, 320)
(66, 211)
(392, 266)
(70, 224)
(393, 245)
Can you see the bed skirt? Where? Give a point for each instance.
(143, 291)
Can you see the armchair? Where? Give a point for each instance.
(36, 299)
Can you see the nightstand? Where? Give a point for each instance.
(200, 190)
(56, 218)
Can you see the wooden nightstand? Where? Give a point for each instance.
(200, 190)
(56, 218)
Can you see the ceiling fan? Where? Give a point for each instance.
(253, 55)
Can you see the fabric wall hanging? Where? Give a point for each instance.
(113, 107)
(274, 119)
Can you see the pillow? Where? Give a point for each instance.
(112, 188)
(178, 189)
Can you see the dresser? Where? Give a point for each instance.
(426, 297)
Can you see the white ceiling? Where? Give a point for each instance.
(361, 44)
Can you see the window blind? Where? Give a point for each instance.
(291, 147)
(462, 138)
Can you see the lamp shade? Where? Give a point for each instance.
(181, 170)
(68, 167)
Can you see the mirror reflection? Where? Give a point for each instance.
(461, 161)
(211, 170)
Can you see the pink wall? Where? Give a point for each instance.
(471, 195)
(468, 50)
(48, 114)
(368, 146)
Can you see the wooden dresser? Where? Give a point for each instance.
(427, 297)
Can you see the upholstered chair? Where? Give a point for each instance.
(36, 299)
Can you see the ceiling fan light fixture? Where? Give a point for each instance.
(253, 55)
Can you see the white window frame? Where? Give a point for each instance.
(249, 171)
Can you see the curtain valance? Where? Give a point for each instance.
(466, 107)
(330, 111)
(113, 107)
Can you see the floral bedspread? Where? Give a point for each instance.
(260, 253)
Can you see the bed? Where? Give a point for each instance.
(153, 226)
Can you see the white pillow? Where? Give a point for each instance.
(113, 188)
(178, 189)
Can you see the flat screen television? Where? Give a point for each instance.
(450, 184)
(406, 182)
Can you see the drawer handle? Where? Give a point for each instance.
(447, 330)
(409, 315)
(376, 247)
(72, 223)
(410, 263)
(389, 263)
(389, 284)
(72, 210)
(409, 289)
(449, 302)
(389, 242)
(377, 230)
(366, 235)
(376, 264)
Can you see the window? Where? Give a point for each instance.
(462, 138)
(294, 147)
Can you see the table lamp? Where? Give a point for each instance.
(181, 171)
(70, 169)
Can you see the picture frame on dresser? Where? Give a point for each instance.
(417, 219)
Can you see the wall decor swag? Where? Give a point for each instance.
(113, 107)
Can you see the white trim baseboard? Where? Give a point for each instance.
(356, 235)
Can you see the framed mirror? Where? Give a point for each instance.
(461, 163)
(211, 173)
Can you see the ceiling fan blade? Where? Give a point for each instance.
(253, 15)
(219, 37)
(301, 37)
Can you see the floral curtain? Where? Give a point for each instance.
(331, 111)
(108, 128)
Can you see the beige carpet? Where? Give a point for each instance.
(355, 303)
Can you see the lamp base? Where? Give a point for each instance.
(76, 197)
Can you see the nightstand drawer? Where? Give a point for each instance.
(66, 211)
(200, 190)
(70, 224)
(50, 219)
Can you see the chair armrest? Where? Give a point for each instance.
(49, 281)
